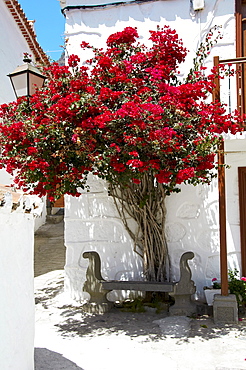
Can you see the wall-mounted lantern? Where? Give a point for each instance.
(26, 79)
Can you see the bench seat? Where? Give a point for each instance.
(144, 286)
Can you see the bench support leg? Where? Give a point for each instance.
(183, 305)
(98, 302)
(184, 289)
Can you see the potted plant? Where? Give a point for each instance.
(237, 286)
(210, 291)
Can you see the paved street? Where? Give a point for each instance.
(49, 249)
(68, 338)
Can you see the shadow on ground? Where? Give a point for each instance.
(132, 324)
(76, 323)
(71, 321)
(48, 360)
(51, 289)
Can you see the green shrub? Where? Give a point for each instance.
(237, 286)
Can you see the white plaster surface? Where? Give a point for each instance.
(92, 223)
(16, 276)
(95, 25)
(16, 231)
(16, 291)
(12, 47)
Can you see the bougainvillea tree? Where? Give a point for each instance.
(126, 117)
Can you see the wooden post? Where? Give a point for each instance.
(222, 199)
(216, 90)
(222, 221)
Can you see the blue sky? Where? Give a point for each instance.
(49, 24)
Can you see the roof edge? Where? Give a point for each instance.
(27, 31)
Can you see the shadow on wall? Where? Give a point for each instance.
(49, 360)
(174, 13)
(192, 225)
(140, 12)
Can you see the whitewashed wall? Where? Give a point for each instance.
(192, 221)
(96, 24)
(92, 223)
(16, 231)
(12, 47)
(16, 289)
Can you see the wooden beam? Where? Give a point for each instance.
(216, 90)
(222, 220)
(238, 60)
(222, 198)
(239, 69)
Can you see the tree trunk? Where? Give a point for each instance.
(145, 203)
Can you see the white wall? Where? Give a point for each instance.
(12, 47)
(92, 223)
(16, 290)
(96, 24)
(16, 231)
(192, 221)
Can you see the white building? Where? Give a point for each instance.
(17, 220)
(17, 37)
(91, 222)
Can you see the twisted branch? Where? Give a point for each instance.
(145, 203)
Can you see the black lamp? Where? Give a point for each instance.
(26, 79)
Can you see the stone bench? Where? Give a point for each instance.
(98, 288)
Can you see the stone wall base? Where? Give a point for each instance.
(225, 309)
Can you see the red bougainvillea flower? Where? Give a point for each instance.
(163, 177)
(136, 181)
(73, 60)
(123, 114)
(127, 36)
